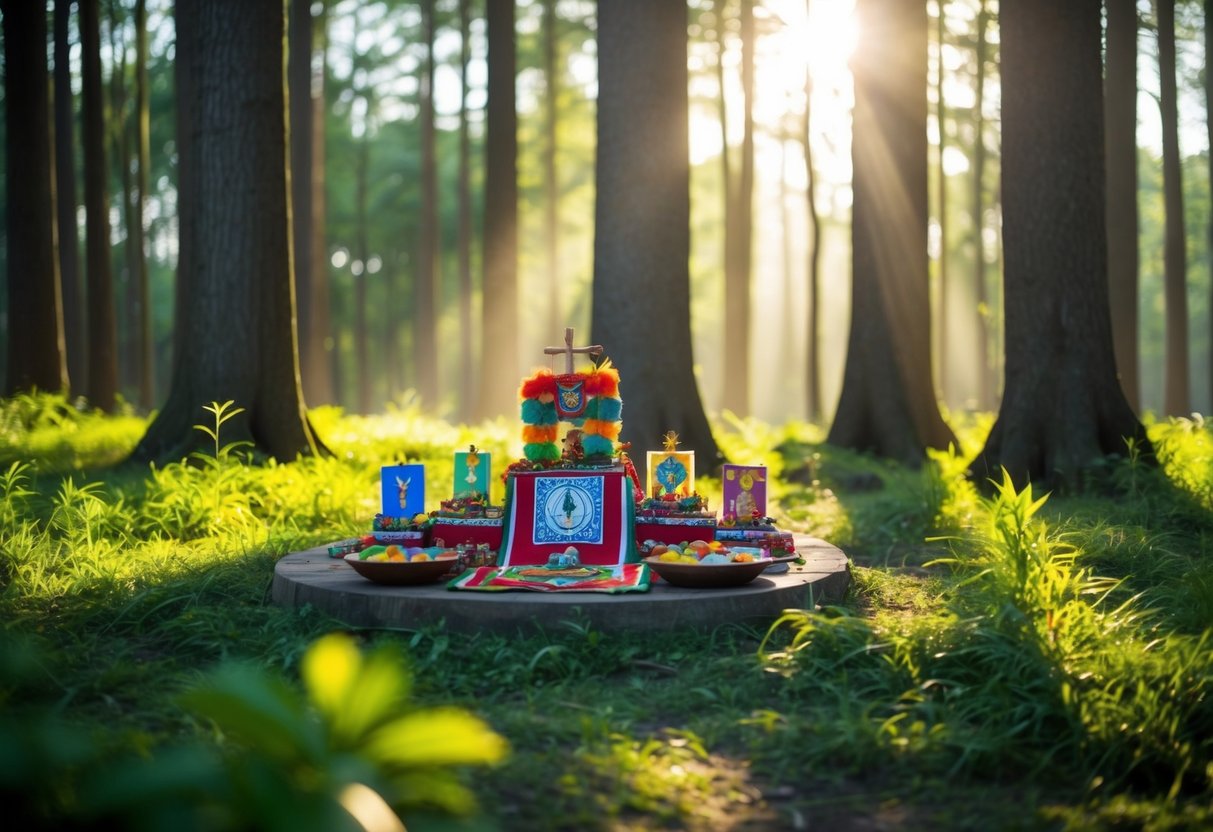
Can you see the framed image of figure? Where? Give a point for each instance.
(403, 490)
(745, 491)
(472, 472)
(671, 471)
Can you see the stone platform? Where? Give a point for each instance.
(329, 584)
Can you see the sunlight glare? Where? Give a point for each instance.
(825, 40)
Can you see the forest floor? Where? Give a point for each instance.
(1005, 659)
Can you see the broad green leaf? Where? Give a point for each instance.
(437, 737)
(259, 712)
(330, 669)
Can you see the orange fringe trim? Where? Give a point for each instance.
(539, 433)
(599, 427)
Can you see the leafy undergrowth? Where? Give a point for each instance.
(1003, 661)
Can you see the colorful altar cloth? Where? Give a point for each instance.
(591, 510)
(628, 577)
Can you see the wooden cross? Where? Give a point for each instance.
(568, 349)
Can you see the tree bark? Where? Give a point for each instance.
(888, 405)
(102, 331)
(72, 293)
(551, 205)
(299, 91)
(467, 386)
(147, 356)
(728, 189)
(738, 267)
(499, 346)
(641, 292)
(985, 378)
(320, 343)
(127, 283)
(362, 352)
(943, 316)
(237, 305)
(425, 345)
(1176, 394)
(1209, 135)
(1120, 142)
(35, 315)
(1063, 407)
(813, 357)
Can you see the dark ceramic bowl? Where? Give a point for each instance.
(700, 576)
(402, 574)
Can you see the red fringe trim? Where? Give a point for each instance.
(542, 382)
(602, 382)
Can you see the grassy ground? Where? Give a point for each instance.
(1003, 662)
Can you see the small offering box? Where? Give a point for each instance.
(456, 531)
(766, 536)
(675, 529)
(416, 537)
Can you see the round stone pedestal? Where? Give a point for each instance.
(331, 585)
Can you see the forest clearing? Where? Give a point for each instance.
(999, 663)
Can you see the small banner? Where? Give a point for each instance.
(570, 396)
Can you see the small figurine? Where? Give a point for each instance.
(568, 559)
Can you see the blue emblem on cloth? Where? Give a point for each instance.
(568, 510)
(671, 473)
(570, 397)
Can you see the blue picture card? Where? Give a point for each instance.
(403, 490)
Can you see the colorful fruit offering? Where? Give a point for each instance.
(393, 553)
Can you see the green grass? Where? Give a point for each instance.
(1003, 661)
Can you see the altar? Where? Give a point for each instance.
(312, 578)
(577, 523)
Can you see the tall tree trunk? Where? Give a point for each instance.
(35, 314)
(362, 352)
(425, 345)
(941, 115)
(813, 356)
(985, 377)
(641, 293)
(1062, 406)
(1209, 135)
(147, 374)
(467, 387)
(120, 135)
(238, 305)
(499, 346)
(788, 318)
(737, 270)
(728, 189)
(75, 334)
(299, 92)
(1120, 144)
(888, 403)
(320, 344)
(551, 206)
(1176, 394)
(102, 335)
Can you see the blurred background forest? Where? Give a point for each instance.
(377, 128)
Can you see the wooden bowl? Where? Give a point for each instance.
(713, 575)
(401, 574)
